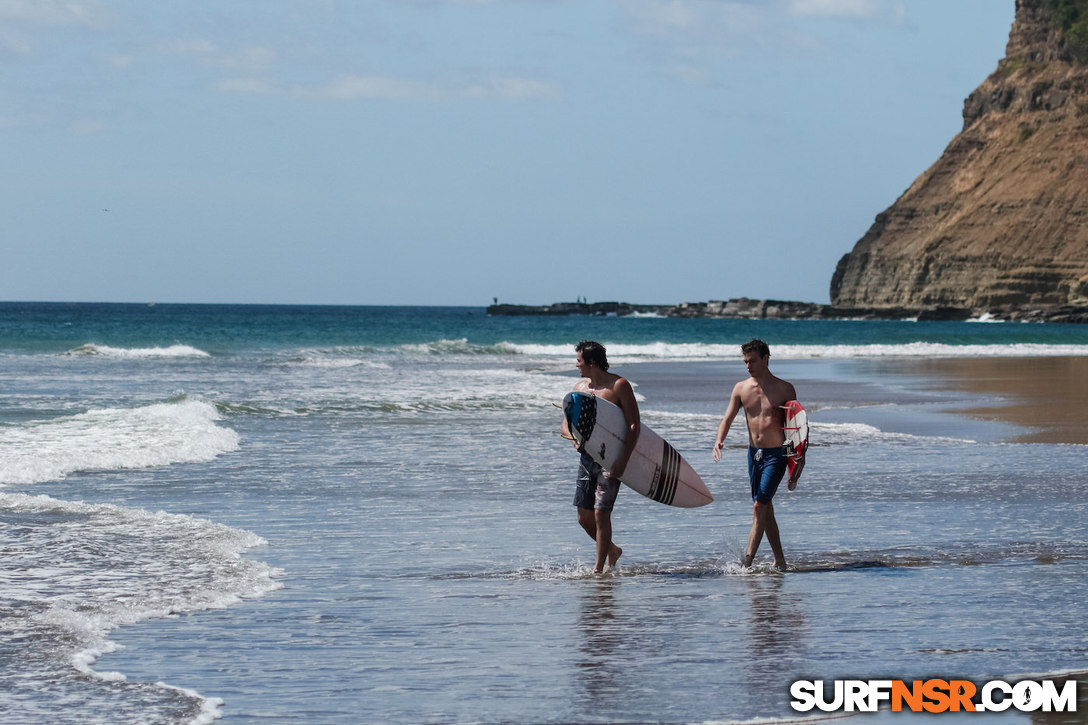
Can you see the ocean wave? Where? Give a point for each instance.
(181, 431)
(820, 434)
(138, 352)
(96, 567)
(334, 363)
(459, 347)
(712, 351)
(379, 357)
(832, 434)
(660, 351)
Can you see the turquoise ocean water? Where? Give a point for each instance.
(363, 514)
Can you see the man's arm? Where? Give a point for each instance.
(727, 422)
(626, 395)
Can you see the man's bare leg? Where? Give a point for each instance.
(771, 529)
(764, 522)
(588, 522)
(598, 524)
(607, 552)
(755, 536)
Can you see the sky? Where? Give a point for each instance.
(454, 152)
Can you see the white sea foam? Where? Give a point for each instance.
(859, 433)
(138, 352)
(708, 351)
(211, 708)
(459, 346)
(113, 438)
(631, 352)
(700, 419)
(361, 387)
(95, 567)
(851, 434)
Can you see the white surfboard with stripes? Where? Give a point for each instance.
(655, 469)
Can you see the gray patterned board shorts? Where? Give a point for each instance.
(595, 490)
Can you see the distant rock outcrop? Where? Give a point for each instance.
(742, 308)
(598, 309)
(999, 224)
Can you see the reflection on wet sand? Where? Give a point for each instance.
(600, 641)
(776, 622)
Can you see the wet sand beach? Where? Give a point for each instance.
(1018, 399)
(1047, 395)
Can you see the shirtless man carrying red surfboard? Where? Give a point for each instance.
(762, 396)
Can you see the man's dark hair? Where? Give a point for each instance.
(756, 346)
(593, 353)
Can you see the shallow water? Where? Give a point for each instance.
(351, 533)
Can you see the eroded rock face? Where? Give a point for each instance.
(1000, 222)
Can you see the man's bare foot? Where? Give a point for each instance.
(747, 561)
(614, 556)
(779, 566)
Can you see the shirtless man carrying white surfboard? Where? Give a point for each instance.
(762, 396)
(597, 489)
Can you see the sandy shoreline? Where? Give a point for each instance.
(1014, 399)
(1047, 395)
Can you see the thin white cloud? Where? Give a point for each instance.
(247, 86)
(197, 48)
(14, 43)
(687, 39)
(89, 126)
(670, 17)
(511, 88)
(351, 87)
(52, 12)
(692, 40)
(835, 8)
(23, 22)
(23, 119)
(259, 76)
(251, 58)
(665, 15)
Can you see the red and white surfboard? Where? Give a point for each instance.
(796, 429)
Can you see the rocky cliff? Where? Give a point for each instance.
(1000, 222)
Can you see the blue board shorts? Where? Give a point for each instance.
(766, 467)
(594, 490)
